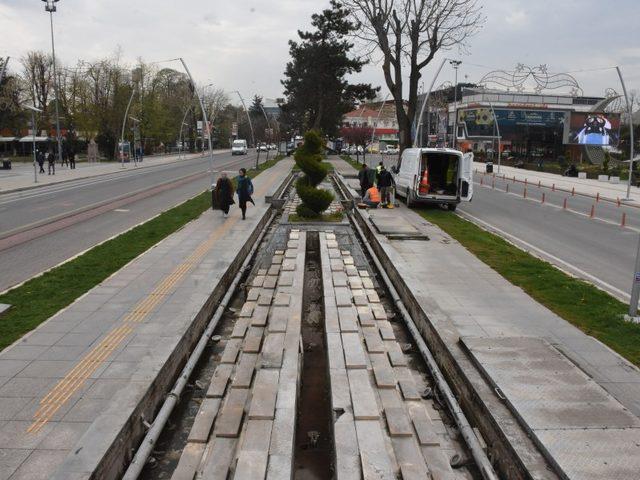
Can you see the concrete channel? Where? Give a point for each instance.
(313, 376)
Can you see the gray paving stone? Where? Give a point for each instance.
(396, 357)
(423, 425)
(332, 243)
(351, 270)
(282, 299)
(247, 309)
(331, 323)
(398, 422)
(270, 283)
(252, 465)
(216, 465)
(253, 340)
(41, 464)
(231, 350)
(278, 319)
(280, 467)
(274, 270)
(374, 456)
(204, 419)
(265, 298)
(256, 436)
(286, 279)
(409, 390)
(372, 340)
(277, 259)
(219, 381)
(343, 296)
(289, 265)
(410, 459)
(240, 328)
(63, 436)
(365, 406)
(355, 283)
(265, 389)
(335, 352)
(348, 319)
(363, 273)
(354, 356)
(337, 265)
(334, 253)
(273, 350)
(386, 331)
(378, 312)
(283, 433)
(244, 371)
(360, 300)
(365, 316)
(346, 445)
(230, 417)
(253, 294)
(339, 279)
(258, 281)
(367, 283)
(11, 459)
(260, 316)
(189, 461)
(372, 295)
(290, 253)
(340, 392)
(382, 371)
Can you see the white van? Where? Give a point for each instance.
(434, 175)
(239, 147)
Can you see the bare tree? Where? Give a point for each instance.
(408, 34)
(38, 76)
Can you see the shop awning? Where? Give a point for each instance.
(29, 138)
(8, 139)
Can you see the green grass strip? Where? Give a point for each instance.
(41, 297)
(590, 309)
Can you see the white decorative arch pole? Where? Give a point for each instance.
(424, 104)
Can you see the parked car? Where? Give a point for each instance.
(434, 175)
(262, 147)
(392, 151)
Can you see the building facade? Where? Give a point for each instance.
(380, 117)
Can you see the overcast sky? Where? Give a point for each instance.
(241, 44)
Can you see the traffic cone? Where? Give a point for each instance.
(423, 188)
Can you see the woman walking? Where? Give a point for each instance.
(223, 193)
(245, 190)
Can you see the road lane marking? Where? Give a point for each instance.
(571, 269)
(76, 378)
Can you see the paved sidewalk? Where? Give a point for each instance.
(583, 186)
(69, 388)
(20, 177)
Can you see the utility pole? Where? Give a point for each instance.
(455, 64)
(50, 6)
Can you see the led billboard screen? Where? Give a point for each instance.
(594, 129)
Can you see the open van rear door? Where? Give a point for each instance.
(466, 177)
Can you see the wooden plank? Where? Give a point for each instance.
(398, 422)
(351, 270)
(355, 283)
(230, 417)
(231, 350)
(280, 467)
(348, 319)
(354, 356)
(409, 389)
(367, 282)
(410, 459)
(256, 436)
(375, 460)
(372, 295)
(360, 300)
(283, 433)
(265, 390)
(272, 350)
(244, 371)
(396, 356)
(365, 316)
(346, 448)
(189, 462)
(204, 419)
(343, 297)
(331, 323)
(365, 406)
(219, 380)
(253, 340)
(340, 393)
(379, 312)
(386, 330)
(339, 279)
(423, 425)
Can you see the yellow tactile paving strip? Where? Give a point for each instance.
(75, 379)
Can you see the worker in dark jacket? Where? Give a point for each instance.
(40, 159)
(245, 190)
(385, 184)
(51, 159)
(364, 178)
(223, 194)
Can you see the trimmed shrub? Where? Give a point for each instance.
(309, 159)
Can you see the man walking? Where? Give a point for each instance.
(72, 158)
(245, 190)
(51, 159)
(40, 158)
(363, 177)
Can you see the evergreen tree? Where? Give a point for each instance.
(318, 95)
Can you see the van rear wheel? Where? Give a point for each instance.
(410, 201)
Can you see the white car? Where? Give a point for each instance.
(239, 147)
(262, 147)
(392, 151)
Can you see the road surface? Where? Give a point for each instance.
(43, 227)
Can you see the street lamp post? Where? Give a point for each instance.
(455, 64)
(253, 137)
(50, 6)
(497, 128)
(266, 119)
(424, 104)
(124, 124)
(33, 134)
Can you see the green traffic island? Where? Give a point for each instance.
(41, 297)
(592, 310)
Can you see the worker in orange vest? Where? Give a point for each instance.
(372, 197)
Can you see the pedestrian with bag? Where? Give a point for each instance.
(245, 190)
(222, 194)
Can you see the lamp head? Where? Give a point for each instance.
(50, 5)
